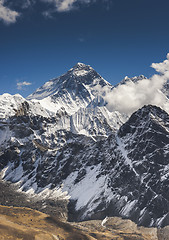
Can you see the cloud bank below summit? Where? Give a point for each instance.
(129, 97)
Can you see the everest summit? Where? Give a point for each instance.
(63, 143)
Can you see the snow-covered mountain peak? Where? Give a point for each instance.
(16, 105)
(80, 65)
(146, 118)
(132, 79)
(80, 69)
(73, 90)
(9, 103)
(151, 112)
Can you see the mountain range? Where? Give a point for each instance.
(63, 142)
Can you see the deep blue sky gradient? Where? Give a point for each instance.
(117, 38)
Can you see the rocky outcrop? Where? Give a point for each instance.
(123, 175)
(23, 109)
(26, 223)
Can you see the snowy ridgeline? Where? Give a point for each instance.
(119, 175)
(85, 153)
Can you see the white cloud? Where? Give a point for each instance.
(62, 5)
(129, 97)
(65, 5)
(21, 85)
(7, 15)
(51, 6)
(162, 67)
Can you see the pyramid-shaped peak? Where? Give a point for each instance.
(80, 81)
(145, 118)
(81, 69)
(148, 112)
(133, 79)
(81, 66)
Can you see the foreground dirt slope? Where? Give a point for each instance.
(26, 224)
(10, 196)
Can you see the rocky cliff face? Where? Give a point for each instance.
(125, 174)
(105, 167)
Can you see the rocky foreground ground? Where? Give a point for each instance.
(50, 222)
(10, 196)
(27, 224)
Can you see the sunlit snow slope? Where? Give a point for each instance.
(62, 142)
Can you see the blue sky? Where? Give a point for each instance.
(42, 39)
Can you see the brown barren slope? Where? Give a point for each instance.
(26, 224)
(23, 223)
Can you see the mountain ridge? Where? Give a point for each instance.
(105, 163)
(101, 175)
(78, 86)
